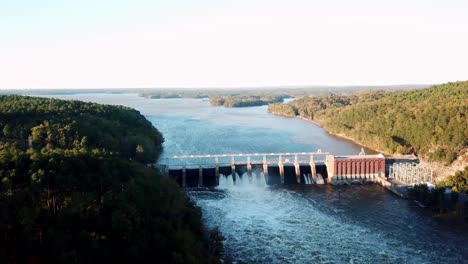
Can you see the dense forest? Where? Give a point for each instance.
(431, 122)
(75, 187)
(309, 107)
(236, 94)
(245, 101)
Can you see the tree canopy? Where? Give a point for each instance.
(245, 101)
(75, 188)
(431, 122)
(457, 182)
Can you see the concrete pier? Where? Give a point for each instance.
(298, 170)
(217, 170)
(281, 169)
(184, 177)
(313, 171)
(265, 168)
(200, 177)
(249, 169)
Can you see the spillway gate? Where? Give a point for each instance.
(277, 168)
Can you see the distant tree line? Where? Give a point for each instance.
(282, 109)
(247, 94)
(75, 188)
(431, 122)
(245, 101)
(308, 107)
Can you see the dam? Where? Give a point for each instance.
(289, 223)
(274, 168)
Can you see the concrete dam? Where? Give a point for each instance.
(273, 168)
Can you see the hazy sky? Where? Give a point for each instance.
(213, 43)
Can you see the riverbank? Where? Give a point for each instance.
(440, 171)
(306, 119)
(320, 124)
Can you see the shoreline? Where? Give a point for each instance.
(441, 171)
(319, 124)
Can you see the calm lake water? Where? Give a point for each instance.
(299, 224)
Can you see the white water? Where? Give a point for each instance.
(320, 179)
(243, 182)
(264, 225)
(226, 181)
(307, 179)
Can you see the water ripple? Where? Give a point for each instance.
(269, 225)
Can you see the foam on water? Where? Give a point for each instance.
(242, 183)
(265, 225)
(320, 179)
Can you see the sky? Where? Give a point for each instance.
(231, 43)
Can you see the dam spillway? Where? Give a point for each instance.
(275, 168)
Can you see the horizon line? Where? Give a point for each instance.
(230, 87)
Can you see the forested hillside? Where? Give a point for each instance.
(308, 107)
(431, 122)
(52, 123)
(75, 188)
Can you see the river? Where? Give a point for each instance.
(298, 224)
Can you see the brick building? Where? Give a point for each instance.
(355, 167)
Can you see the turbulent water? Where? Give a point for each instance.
(324, 224)
(301, 224)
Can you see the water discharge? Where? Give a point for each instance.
(276, 225)
(243, 182)
(307, 179)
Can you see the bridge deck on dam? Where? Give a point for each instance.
(286, 168)
(277, 168)
(239, 159)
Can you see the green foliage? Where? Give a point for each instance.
(64, 124)
(457, 182)
(81, 191)
(431, 122)
(245, 101)
(311, 106)
(284, 91)
(282, 109)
